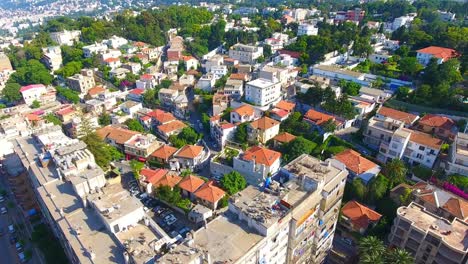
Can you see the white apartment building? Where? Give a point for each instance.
(219, 71)
(413, 147)
(222, 131)
(206, 82)
(263, 92)
(441, 54)
(66, 37)
(458, 156)
(245, 53)
(97, 48)
(32, 92)
(402, 21)
(115, 42)
(307, 29)
(257, 163)
(292, 225)
(234, 88)
(52, 57)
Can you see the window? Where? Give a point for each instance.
(422, 148)
(419, 156)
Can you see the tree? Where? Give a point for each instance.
(241, 134)
(297, 147)
(406, 197)
(358, 189)
(33, 72)
(35, 104)
(378, 187)
(399, 256)
(233, 182)
(51, 118)
(395, 170)
(68, 94)
(329, 126)
(267, 51)
(349, 87)
(134, 125)
(371, 248)
(11, 92)
(409, 65)
(104, 119)
(136, 168)
(188, 136)
(103, 153)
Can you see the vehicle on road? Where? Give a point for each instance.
(22, 257)
(11, 229)
(2, 199)
(3, 210)
(19, 247)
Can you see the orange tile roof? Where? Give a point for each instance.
(118, 134)
(192, 72)
(187, 58)
(210, 193)
(169, 179)
(139, 44)
(238, 76)
(189, 151)
(161, 116)
(425, 139)
(172, 126)
(439, 52)
(191, 183)
(164, 152)
(457, 207)
(318, 118)
(33, 117)
(65, 111)
(153, 176)
(261, 155)
(285, 105)
(111, 60)
(407, 118)
(437, 121)
(360, 215)
(96, 90)
(354, 161)
(264, 123)
(244, 110)
(284, 137)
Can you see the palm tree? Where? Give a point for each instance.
(371, 259)
(395, 171)
(399, 256)
(371, 247)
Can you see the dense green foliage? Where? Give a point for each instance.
(233, 182)
(136, 168)
(11, 92)
(51, 118)
(395, 170)
(459, 180)
(296, 147)
(373, 251)
(104, 119)
(134, 125)
(68, 94)
(294, 125)
(188, 136)
(173, 197)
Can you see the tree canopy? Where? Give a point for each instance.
(233, 182)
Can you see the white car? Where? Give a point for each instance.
(170, 219)
(2, 199)
(3, 210)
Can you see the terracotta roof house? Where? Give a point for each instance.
(160, 117)
(116, 136)
(209, 195)
(239, 76)
(149, 178)
(407, 118)
(357, 217)
(95, 91)
(171, 128)
(283, 138)
(66, 114)
(317, 118)
(164, 153)
(439, 53)
(257, 163)
(244, 113)
(170, 179)
(263, 129)
(357, 165)
(440, 126)
(190, 157)
(279, 114)
(457, 208)
(189, 185)
(285, 105)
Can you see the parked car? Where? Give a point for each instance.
(170, 219)
(2, 199)
(3, 210)
(19, 247)
(11, 229)
(22, 257)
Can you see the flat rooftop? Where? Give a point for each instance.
(457, 237)
(114, 202)
(86, 233)
(139, 242)
(260, 83)
(58, 196)
(335, 69)
(312, 168)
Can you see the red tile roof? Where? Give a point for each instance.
(118, 134)
(164, 152)
(284, 137)
(153, 176)
(187, 58)
(293, 54)
(169, 179)
(407, 118)
(210, 193)
(457, 207)
(137, 91)
(264, 123)
(189, 151)
(261, 155)
(191, 183)
(318, 118)
(440, 52)
(31, 86)
(360, 215)
(172, 126)
(96, 90)
(65, 111)
(161, 116)
(285, 105)
(354, 161)
(244, 110)
(280, 112)
(238, 76)
(33, 117)
(425, 139)
(109, 60)
(437, 121)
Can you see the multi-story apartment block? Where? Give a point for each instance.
(52, 57)
(94, 49)
(66, 37)
(245, 53)
(81, 82)
(414, 147)
(429, 237)
(221, 131)
(307, 29)
(262, 130)
(33, 92)
(234, 88)
(141, 146)
(295, 224)
(458, 156)
(263, 92)
(115, 42)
